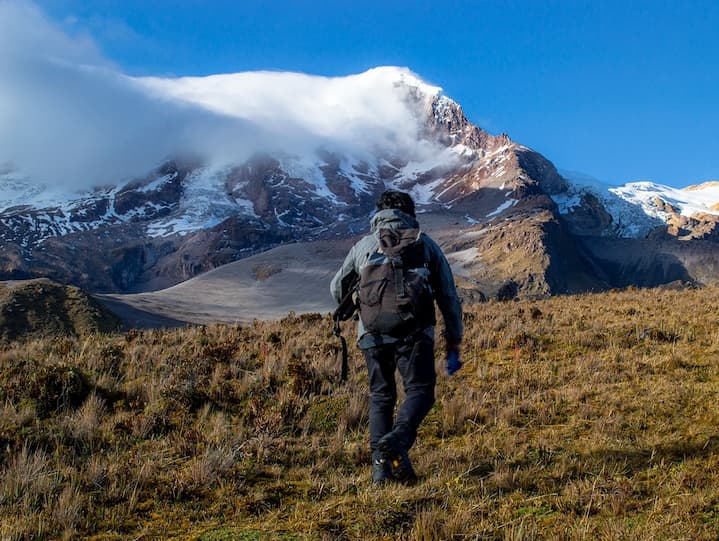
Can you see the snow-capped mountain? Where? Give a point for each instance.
(655, 199)
(300, 158)
(441, 142)
(194, 212)
(636, 209)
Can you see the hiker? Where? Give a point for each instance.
(400, 272)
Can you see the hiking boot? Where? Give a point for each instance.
(381, 472)
(396, 457)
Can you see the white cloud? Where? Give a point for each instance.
(67, 115)
(379, 110)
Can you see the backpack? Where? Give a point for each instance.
(395, 297)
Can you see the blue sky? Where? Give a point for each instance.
(619, 90)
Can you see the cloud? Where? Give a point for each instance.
(379, 111)
(69, 116)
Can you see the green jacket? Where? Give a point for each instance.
(440, 277)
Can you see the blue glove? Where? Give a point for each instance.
(453, 362)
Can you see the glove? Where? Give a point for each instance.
(453, 362)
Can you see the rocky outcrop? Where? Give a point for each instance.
(589, 217)
(541, 170)
(447, 123)
(697, 227)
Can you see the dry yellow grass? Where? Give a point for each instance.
(584, 417)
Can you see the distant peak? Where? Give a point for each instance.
(703, 186)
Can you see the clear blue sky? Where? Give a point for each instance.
(622, 90)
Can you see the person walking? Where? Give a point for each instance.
(397, 273)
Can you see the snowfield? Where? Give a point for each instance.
(701, 199)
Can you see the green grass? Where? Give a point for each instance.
(238, 534)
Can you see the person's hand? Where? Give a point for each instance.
(453, 362)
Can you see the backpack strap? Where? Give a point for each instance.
(345, 311)
(398, 267)
(337, 331)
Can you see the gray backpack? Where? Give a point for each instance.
(395, 297)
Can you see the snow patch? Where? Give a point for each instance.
(351, 172)
(501, 208)
(308, 169)
(629, 218)
(171, 226)
(463, 151)
(464, 256)
(19, 190)
(567, 201)
(157, 183)
(462, 261)
(204, 204)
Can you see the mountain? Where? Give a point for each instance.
(323, 150)
(643, 233)
(639, 208)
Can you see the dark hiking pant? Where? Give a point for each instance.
(414, 356)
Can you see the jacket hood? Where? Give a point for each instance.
(392, 219)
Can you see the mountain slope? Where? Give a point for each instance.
(574, 417)
(636, 209)
(527, 255)
(290, 278)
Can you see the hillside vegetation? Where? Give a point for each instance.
(43, 308)
(583, 417)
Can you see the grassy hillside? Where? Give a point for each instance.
(43, 308)
(593, 416)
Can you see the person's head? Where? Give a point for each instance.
(392, 199)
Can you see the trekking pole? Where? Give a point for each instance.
(337, 331)
(345, 311)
